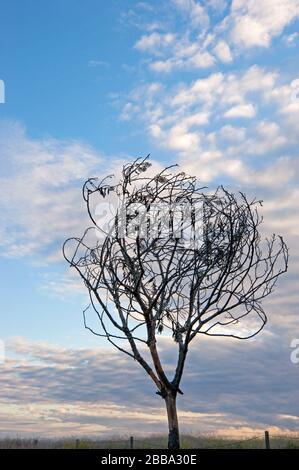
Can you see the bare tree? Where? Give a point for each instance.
(174, 260)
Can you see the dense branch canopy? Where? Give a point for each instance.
(173, 259)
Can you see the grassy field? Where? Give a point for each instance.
(153, 442)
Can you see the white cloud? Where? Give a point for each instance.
(256, 22)
(291, 39)
(258, 79)
(196, 119)
(202, 90)
(250, 32)
(127, 111)
(181, 140)
(229, 132)
(226, 89)
(223, 52)
(201, 60)
(270, 137)
(163, 66)
(286, 98)
(241, 111)
(282, 210)
(154, 42)
(197, 14)
(265, 138)
(179, 137)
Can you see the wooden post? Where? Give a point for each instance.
(131, 442)
(267, 439)
(77, 443)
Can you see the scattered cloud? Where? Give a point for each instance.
(257, 22)
(154, 42)
(223, 52)
(241, 111)
(247, 24)
(291, 39)
(179, 118)
(231, 133)
(40, 201)
(197, 16)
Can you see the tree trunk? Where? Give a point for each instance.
(173, 424)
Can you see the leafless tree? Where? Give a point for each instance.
(175, 260)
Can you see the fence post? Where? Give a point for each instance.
(131, 442)
(77, 443)
(267, 439)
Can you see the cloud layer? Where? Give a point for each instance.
(230, 387)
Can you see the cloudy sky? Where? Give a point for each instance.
(212, 85)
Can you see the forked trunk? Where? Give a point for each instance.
(173, 424)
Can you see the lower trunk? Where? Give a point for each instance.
(173, 425)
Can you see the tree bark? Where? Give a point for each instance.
(173, 424)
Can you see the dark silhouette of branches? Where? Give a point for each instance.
(173, 259)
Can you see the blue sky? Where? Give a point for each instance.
(212, 85)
